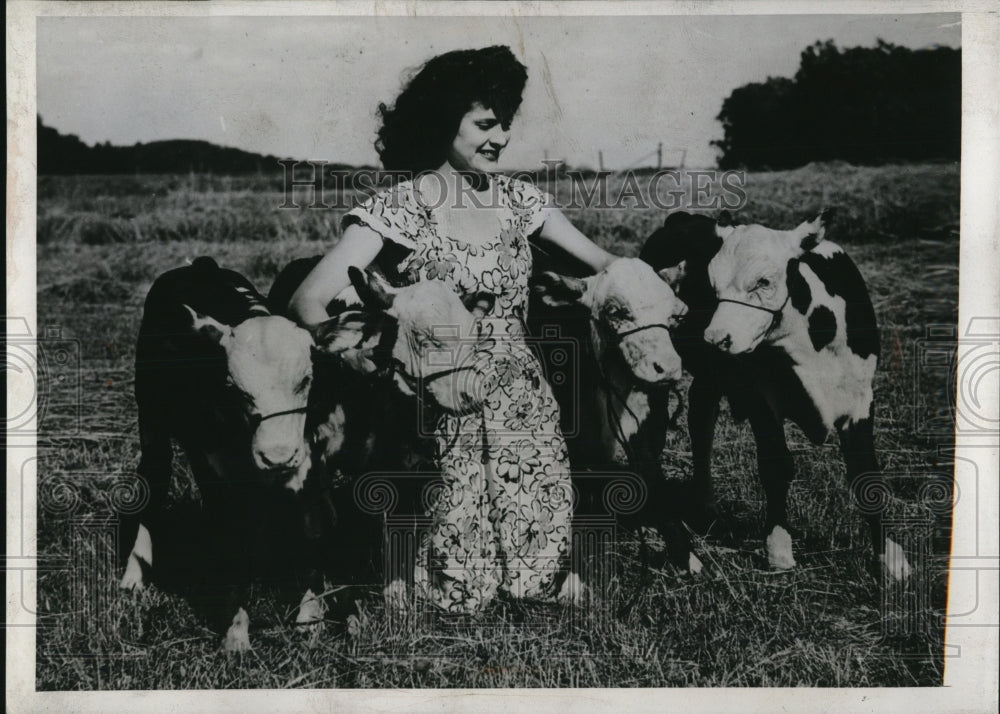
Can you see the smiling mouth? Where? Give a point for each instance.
(490, 154)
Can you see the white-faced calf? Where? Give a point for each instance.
(615, 407)
(228, 382)
(384, 355)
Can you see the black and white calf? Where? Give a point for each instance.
(615, 409)
(789, 333)
(228, 381)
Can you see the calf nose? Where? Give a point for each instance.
(667, 373)
(278, 457)
(722, 340)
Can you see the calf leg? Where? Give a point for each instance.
(137, 532)
(316, 518)
(225, 566)
(703, 412)
(867, 485)
(227, 579)
(776, 470)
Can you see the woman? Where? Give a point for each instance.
(502, 521)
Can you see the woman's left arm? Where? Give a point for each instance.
(558, 231)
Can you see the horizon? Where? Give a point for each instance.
(250, 83)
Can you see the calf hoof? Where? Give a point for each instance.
(694, 565)
(237, 637)
(354, 626)
(894, 562)
(132, 579)
(779, 549)
(573, 591)
(312, 610)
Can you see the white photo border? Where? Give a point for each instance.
(971, 679)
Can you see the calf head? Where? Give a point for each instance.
(750, 278)
(269, 372)
(424, 332)
(631, 309)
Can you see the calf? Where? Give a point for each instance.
(615, 410)
(228, 381)
(789, 333)
(379, 366)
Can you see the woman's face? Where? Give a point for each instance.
(479, 142)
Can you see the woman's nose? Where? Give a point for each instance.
(499, 136)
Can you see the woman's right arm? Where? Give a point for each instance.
(358, 246)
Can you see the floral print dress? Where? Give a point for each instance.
(502, 518)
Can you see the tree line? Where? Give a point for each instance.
(862, 105)
(67, 154)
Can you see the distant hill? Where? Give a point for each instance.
(67, 154)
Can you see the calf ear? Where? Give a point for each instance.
(683, 237)
(209, 327)
(808, 235)
(360, 359)
(559, 290)
(673, 276)
(479, 304)
(341, 332)
(373, 290)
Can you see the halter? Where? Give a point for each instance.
(257, 419)
(610, 391)
(775, 314)
(396, 366)
(625, 333)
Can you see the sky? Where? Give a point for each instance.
(308, 87)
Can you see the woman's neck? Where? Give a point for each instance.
(461, 181)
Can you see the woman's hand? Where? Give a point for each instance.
(558, 231)
(358, 246)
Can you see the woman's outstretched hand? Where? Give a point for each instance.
(558, 231)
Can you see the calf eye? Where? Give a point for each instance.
(762, 283)
(617, 314)
(304, 384)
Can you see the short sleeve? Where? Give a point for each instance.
(389, 213)
(529, 203)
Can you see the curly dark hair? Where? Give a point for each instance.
(418, 129)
